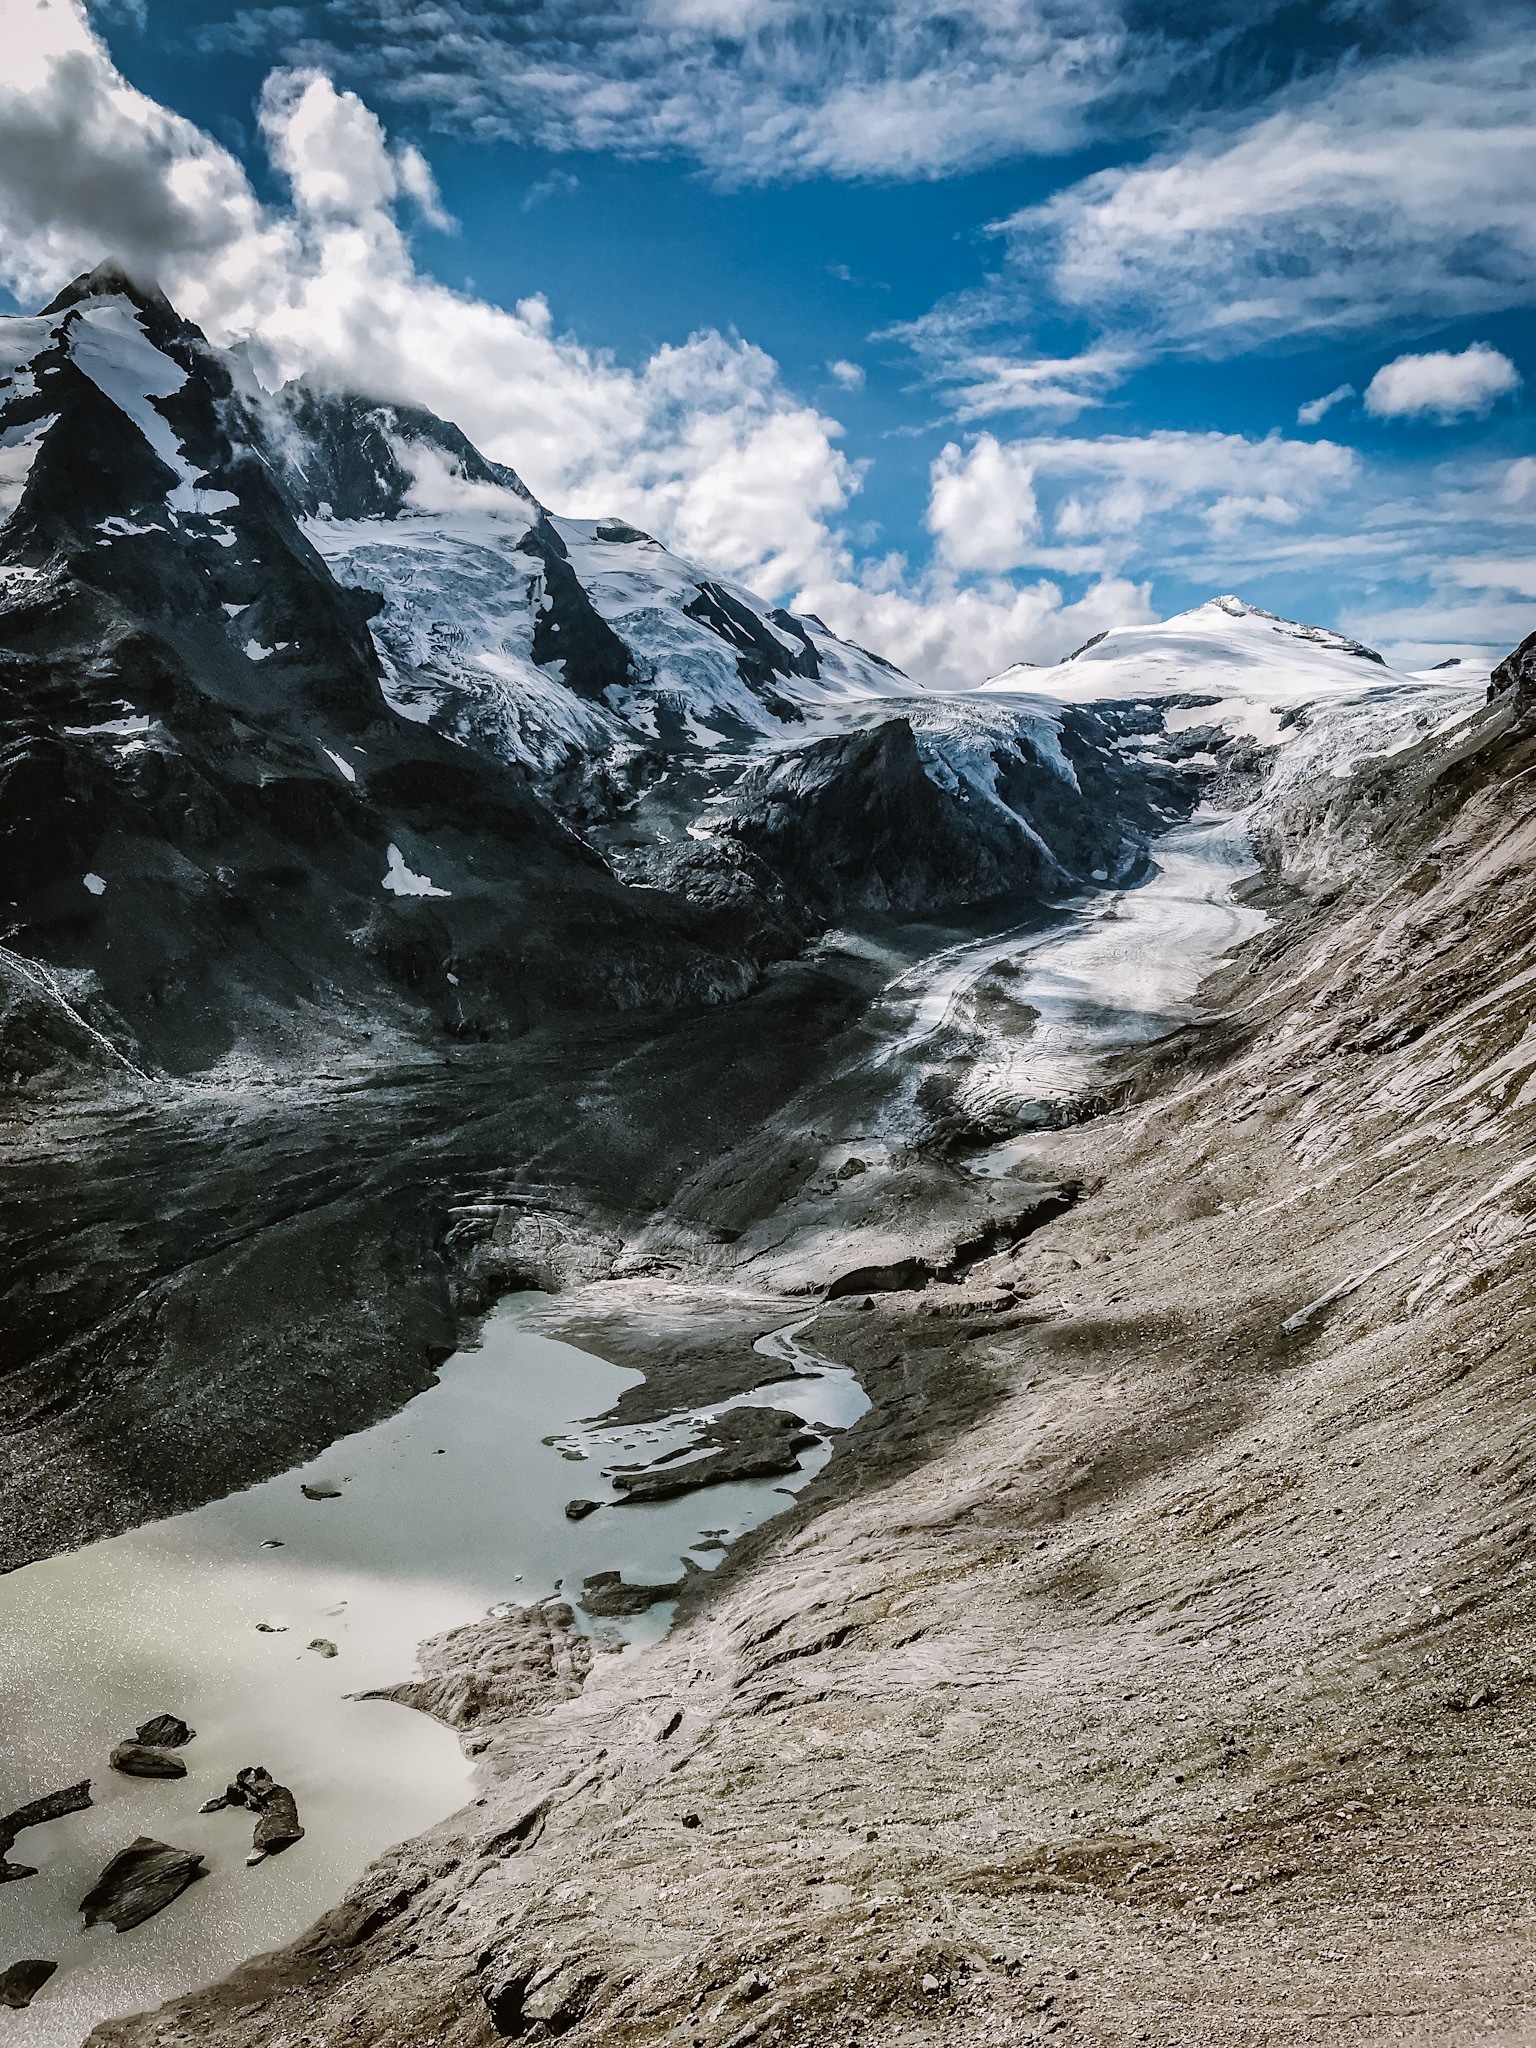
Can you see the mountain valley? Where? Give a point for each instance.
(1122, 1072)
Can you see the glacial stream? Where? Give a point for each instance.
(454, 1504)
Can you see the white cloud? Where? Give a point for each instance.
(1444, 385)
(762, 90)
(952, 638)
(1100, 494)
(984, 382)
(1315, 409)
(1515, 575)
(849, 375)
(981, 507)
(1397, 190)
(701, 444)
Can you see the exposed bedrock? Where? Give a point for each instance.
(870, 822)
(516, 1661)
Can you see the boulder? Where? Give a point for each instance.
(144, 1760)
(606, 1597)
(139, 1882)
(276, 1810)
(518, 1660)
(166, 1731)
(21, 1983)
(277, 1826)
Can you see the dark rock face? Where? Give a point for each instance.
(743, 1443)
(139, 1882)
(854, 824)
(52, 1806)
(895, 822)
(200, 778)
(1515, 676)
(339, 454)
(143, 1760)
(20, 1984)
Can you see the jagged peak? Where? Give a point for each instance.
(110, 280)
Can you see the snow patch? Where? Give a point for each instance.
(254, 651)
(121, 727)
(400, 881)
(18, 452)
(96, 885)
(345, 766)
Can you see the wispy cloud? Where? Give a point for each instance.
(1316, 409)
(1391, 193)
(558, 185)
(1386, 194)
(761, 90)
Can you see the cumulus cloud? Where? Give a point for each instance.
(849, 375)
(702, 443)
(1077, 504)
(953, 637)
(1444, 386)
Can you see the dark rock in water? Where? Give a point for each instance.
(578, 1510)
(143, 1760)
(139, 1882)
(276, 1809)
(606, 1597)
(323, 1645)
(166, 1731)
(743, 1443)
(21, 1983)
(52, 1806)
(278, 1827)
(902, 1275)
(518, 1660)
(321, 1489)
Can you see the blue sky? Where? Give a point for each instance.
(974, 332)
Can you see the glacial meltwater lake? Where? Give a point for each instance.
(451, 1506)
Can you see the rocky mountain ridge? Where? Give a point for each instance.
(316, 728)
